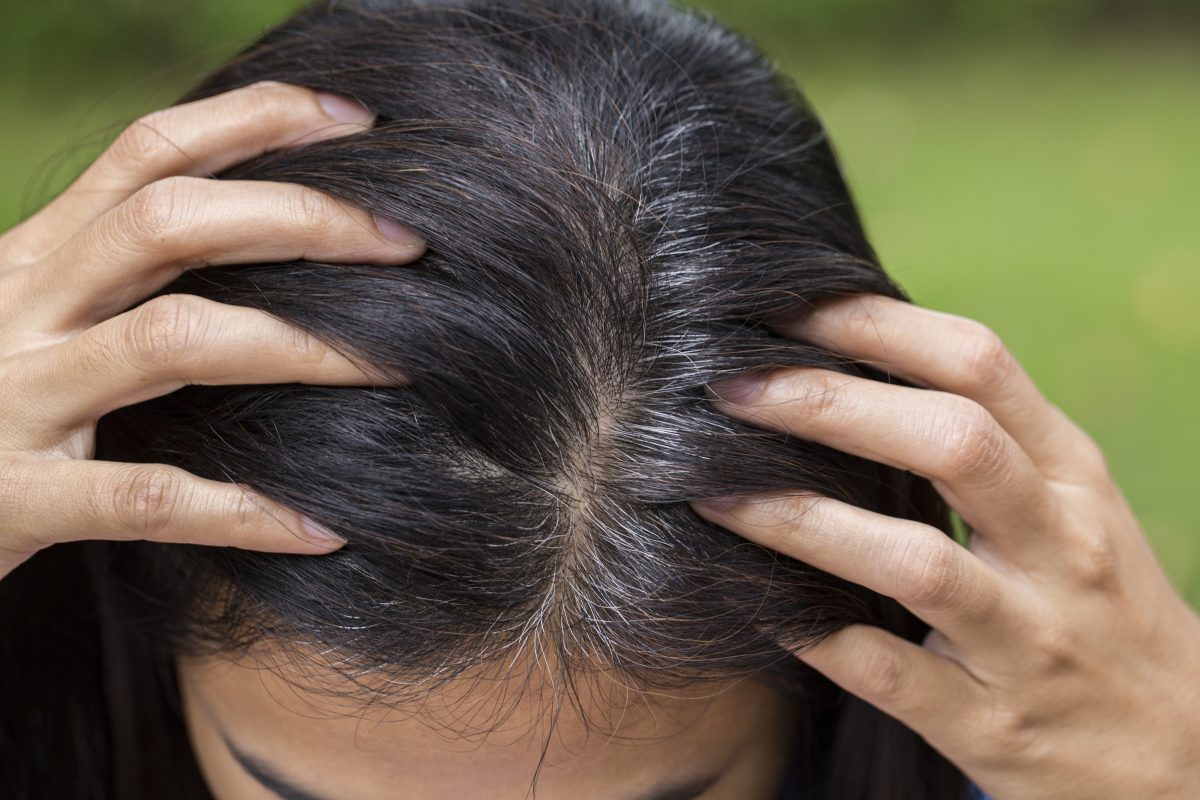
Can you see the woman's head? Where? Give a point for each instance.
(616, 195)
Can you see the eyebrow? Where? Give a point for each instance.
(273, 781)
(267, 776)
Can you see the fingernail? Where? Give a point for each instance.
(343, 109)
(739, 389)
(395, 232)
(319, 534)
(720, 505)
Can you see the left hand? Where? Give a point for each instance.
(1062, 662)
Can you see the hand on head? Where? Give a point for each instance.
(1056, 633)
(76, 340)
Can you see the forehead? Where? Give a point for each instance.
(604, 740)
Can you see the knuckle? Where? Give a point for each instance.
(974, 446)
(269, 99)
(788, 517)
(1006, 732)
(933, 575)
(820, 393)
(157, 210)
(305, 348)
(1053, 647)
(313, 210)
(145, 499)
(162, 330)
(1093, 561)
(883, 678)
(247, 511)
(860, 314)
(143, 143)
(986, 363)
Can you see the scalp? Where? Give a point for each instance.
(615, 195)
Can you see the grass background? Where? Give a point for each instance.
(1033, 165)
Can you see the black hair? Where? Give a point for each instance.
(615, 194)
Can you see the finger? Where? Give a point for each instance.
(182, 223)
(200, 138)
(164, 344)
(958, 355)
(947, 438)
(928, 572)
(929, 693)
(50, 501)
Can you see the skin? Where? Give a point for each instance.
(129, 225)
(1063, 663)
(724, 741)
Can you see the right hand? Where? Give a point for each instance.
(70, 352)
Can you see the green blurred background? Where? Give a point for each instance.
(1033, 164)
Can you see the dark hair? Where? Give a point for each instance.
(615, 195)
